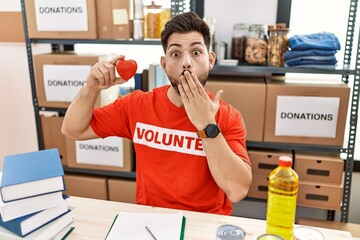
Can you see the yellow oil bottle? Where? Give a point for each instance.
(281, 203)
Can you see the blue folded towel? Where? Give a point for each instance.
(317, 66)
(312, 52)
(324, 40)
(320, 60)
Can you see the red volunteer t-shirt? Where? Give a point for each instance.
(171, 166)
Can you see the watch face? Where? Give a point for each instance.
(212, 130)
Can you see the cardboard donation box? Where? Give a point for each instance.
(319, 168)
(9, 33)
(319, 195)
(246, 94)
(65, 19)
(11, 29)
(122, 190)
(306, 113)
(52, 136)
(109, 154)
(259, 186)
(264, 161)
(59, 77)
(113, 19)
(86, 186)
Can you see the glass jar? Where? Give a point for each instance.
(155, 18)
(257, 45)
(240, 32)
(278, 45)
(211, 22)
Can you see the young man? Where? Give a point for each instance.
(190, 145)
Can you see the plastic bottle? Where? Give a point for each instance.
(281, 203)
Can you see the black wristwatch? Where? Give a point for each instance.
(211, 131)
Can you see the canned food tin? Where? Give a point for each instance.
(307, 233)
(269, 237)
(230, 232)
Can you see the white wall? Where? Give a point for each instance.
(17, 122)
(239, 11)
(17, 119)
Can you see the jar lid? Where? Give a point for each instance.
(279, 29)
(153, 5)
(241, 26)
(308, 233)
(269, 237)
(258, 27)
(230, 232)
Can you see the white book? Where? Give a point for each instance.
(48, 232)
(152, 76)
(23, 207)
(24, 225)
(63, 233)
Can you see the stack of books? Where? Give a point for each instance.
(32, 204)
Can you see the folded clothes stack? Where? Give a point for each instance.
(315, 50)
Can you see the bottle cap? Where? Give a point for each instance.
(285, 161)
(307, 233)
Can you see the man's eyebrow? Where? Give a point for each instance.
(196, 43)
(179, 45)
(174, 45)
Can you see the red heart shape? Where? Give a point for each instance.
(126, 68)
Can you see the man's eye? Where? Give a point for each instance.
(196, 53)
(175, 54)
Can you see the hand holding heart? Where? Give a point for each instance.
(126, 68)
(102, 74)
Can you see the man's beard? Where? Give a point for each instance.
(175, 82)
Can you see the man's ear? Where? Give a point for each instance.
(212, 59)
(163, 63)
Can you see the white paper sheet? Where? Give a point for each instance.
(306, 116)
(131, 226)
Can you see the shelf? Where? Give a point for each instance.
(251, 69)
(96, 41)
(293, 146)
(127, 175)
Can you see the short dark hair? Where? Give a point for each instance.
(184, 23)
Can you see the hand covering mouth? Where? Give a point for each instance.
(183, 72)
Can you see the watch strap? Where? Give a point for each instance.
(201, 133)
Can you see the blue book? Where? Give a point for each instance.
(55, 230)
(138, 81)
(31, 174)
(25, 225)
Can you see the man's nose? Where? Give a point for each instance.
(186, 62)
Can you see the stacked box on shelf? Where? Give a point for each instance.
(9, 33)
(306, 113)
(122, 190)
(61, 19)
(59, 77)
(246, 94)
(263, 162)
(86, 186)
(52, 136)
(113, 19)
(108, 154)
(320, 180)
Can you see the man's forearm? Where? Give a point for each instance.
(230, 172)
(79, 114)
